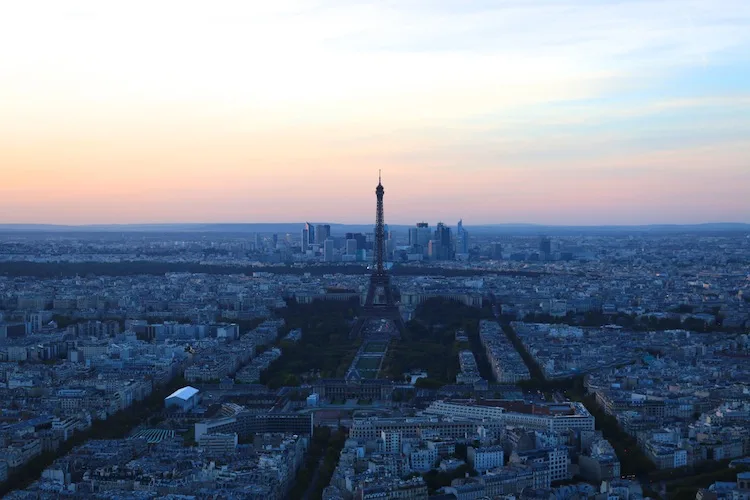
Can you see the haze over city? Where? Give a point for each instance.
(574, 112)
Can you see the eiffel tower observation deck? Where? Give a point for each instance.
(380, 315)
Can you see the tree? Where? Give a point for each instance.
(325, 344)
(429, 342)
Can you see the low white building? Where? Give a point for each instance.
(186, 398)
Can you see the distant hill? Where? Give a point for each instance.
(529, 229)
(339, 229)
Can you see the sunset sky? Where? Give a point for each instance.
(497, 111)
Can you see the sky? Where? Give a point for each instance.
(494, 111)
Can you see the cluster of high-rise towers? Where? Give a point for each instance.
(437, 244)
(423, 243)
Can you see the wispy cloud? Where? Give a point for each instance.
(520, 92)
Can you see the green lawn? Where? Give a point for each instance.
(368, 363)
(375, 347)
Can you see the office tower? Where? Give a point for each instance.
(304, 239)
(351, 247)
(462, 238)
(328, 250)
(412, 236)
(322, 233)
(275, 240)
(360, 238)
(434, 250)
(310, 235)
(258, 242)
(443, 236)
(424, 234)
(545, 247)
(389, 246)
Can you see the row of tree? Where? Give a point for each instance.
(630, 321)
(320, 462)
(152, 267)
(702, 476)
(632, 459)
(146, 266)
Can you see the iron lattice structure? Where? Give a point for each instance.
(380, 302)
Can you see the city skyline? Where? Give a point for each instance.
(574, 113)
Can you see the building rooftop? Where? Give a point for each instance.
(185, 393)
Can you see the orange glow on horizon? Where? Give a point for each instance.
(281, 112)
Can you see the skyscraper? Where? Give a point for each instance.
(462, 238)
(443, 236)
(328, 250)
(412, 236)
(360, 238)
(545, 248)
(310, 235)
(424, 234)
(389, 246)
(434, 250)
(322, 233)
(304, 239)
(351, 247)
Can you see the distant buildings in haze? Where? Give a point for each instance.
(423, 243)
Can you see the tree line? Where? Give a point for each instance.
(29, 269)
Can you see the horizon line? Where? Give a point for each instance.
(159, 224)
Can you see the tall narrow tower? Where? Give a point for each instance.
(380, 303)
(379, 229)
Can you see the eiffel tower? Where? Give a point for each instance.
(379, 304)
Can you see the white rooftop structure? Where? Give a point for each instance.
(185, 393)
